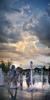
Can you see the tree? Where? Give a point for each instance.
(5, 67)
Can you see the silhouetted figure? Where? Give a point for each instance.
(49, 75)
(13, 97)
(28, 78)
(13, 89)
(33, 81)
(12, 71)
(44, 80)
(19, 76)
(21, 80)
(11, 74)
(12, 82)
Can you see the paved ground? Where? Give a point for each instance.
(23, 95)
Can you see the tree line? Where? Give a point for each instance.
(5, 66)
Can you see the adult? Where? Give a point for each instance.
(49, 75)
(12, 89)
(28, 78)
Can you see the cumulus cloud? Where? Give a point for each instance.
(5, 25)
(48, 10)
(24, 30)
(39, 26)
(11, 20)
(43, 31)
(9, 5)
(17, 17)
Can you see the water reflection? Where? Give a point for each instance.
(3, 94)
(25, 95)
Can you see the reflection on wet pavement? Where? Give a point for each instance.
(24, 95)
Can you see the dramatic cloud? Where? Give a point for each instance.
(24, 29)
(39, 26)
(5, 25)
(48, 10)
(43, 30)
(11, 20)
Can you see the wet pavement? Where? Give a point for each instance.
(25, 95)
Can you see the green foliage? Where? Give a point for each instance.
(5, 67)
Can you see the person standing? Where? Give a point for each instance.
(28, 78)
(49, 75)
(21, 80)
(12, 89)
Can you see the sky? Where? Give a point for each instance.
(25, 31)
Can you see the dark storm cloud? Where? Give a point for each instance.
(11, 38)
(7, 6)
(43, 30)
(3, 24)
(48, 10)
(14, 37)
(40, 27)
(5, 35)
